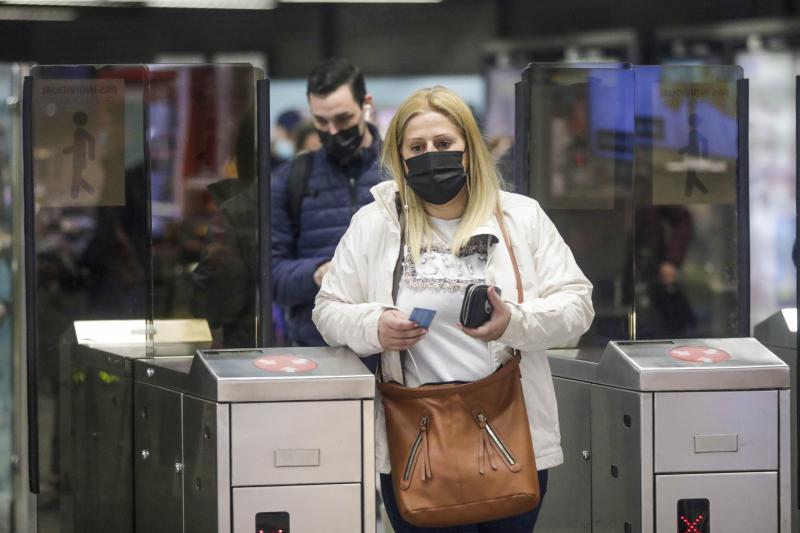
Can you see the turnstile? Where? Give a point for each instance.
(664, 436)
(779, 334)
(259, 440)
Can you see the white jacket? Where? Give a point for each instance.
(557, 306)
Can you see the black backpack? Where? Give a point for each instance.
(296, 187)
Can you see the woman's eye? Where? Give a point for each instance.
(416, 148)
(445, 144)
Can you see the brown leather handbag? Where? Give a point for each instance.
(462, 453)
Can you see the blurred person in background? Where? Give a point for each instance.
(314, 197)
(502, 149)
(499, 146)
(226, 276)
(307, 139)
(284, 136)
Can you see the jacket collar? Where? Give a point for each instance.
(385, 194)
(372, 153)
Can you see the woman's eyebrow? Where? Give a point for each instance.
(438, 135)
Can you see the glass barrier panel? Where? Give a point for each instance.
(91, 238)
(685, 194)
(204, 192)
(580, 164)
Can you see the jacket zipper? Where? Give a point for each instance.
(424, 422)
(353, 195)
(502, 449)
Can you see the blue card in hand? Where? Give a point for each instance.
(423, 317)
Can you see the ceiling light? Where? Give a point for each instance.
(59, 3)
(212, 4)
(360, 1)
(38, 14)
(183, 4)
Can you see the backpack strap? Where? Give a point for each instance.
(296, 187)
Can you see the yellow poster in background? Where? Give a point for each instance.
(79, 142)
(686, 170)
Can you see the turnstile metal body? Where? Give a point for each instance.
(243, 441)
(654, 443)
(779, 334)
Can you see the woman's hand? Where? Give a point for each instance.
(493, 328)
(396, 332)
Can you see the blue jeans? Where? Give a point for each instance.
(514, 524)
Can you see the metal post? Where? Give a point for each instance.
(30, 285)
(264, 294)
(522, 136)
(24, 506)
(796, 384)
(743, 207)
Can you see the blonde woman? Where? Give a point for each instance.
(447, 187)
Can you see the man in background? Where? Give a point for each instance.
(314, 196)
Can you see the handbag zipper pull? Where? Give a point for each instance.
(420, 445)
(426, 456)
(485, 445)
(490, 439)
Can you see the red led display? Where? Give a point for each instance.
(275, 522)
(694, 516)
(691, 526)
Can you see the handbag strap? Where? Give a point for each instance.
(501, 220)
(398, 266)
(396, 275)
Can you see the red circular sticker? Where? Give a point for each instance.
(290, 364)
(699, 354)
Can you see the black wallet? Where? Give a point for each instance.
(476, 309)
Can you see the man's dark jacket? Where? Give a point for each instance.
(332, 195)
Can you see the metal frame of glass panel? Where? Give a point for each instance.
(796, 383)
(24, 503)
(8, 107)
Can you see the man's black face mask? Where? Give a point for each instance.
(436, 177)
(343, 146)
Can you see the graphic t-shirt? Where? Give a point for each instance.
(438, 282)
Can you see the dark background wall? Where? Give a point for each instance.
(384, 39)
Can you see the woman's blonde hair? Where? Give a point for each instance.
(483, 184)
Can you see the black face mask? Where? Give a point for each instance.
(344, 145)
(436, 177)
